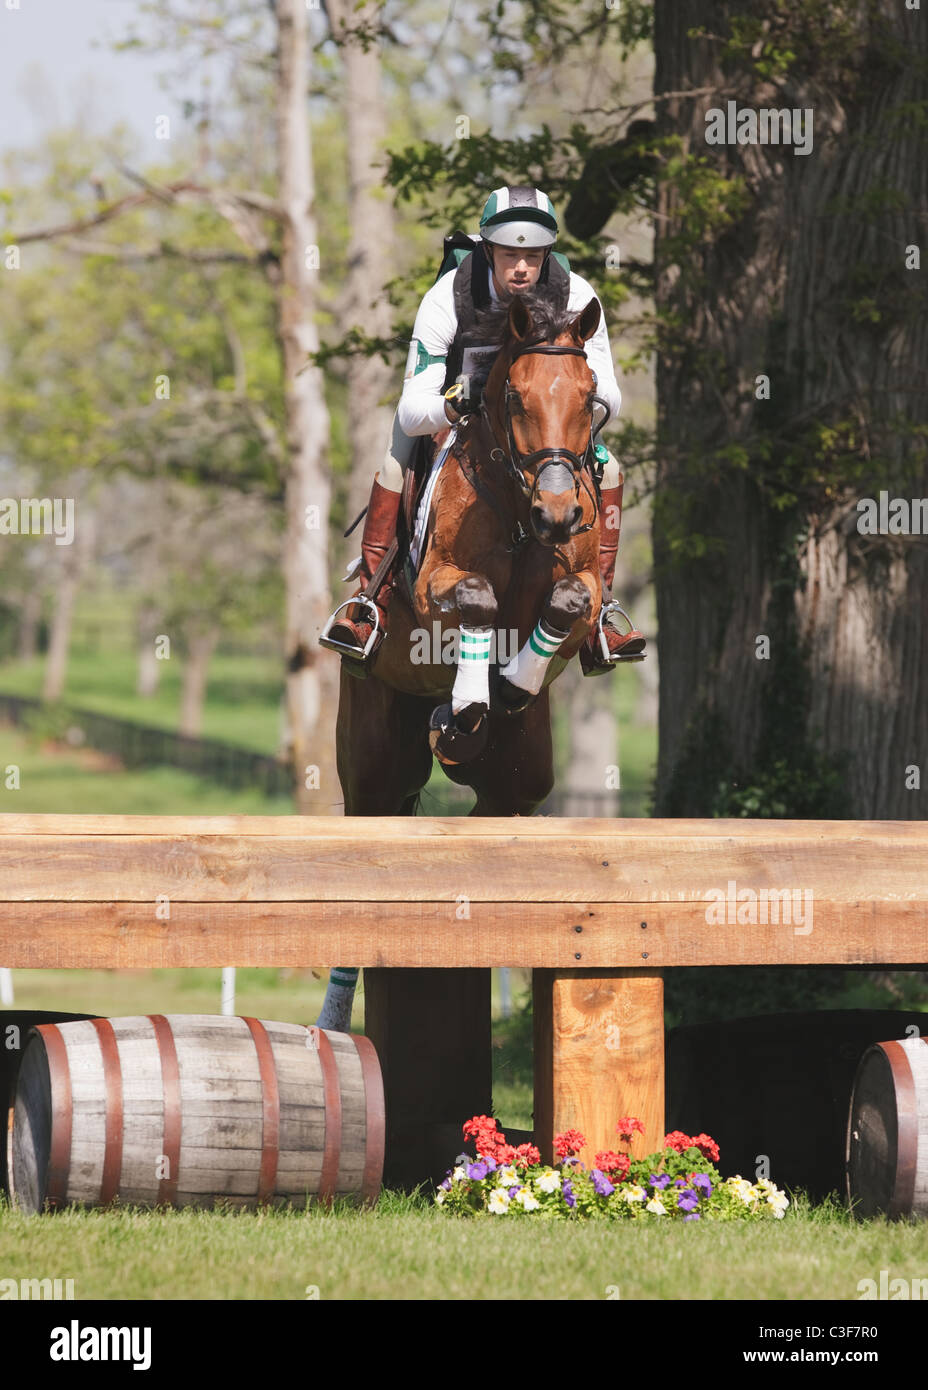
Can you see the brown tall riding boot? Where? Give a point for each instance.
(621, 646)
(353, 629)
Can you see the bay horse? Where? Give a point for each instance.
(511, 547)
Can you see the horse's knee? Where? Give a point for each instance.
(569, 602)
(476, 601)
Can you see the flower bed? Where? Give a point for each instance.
(679, 1182)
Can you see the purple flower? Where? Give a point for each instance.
(688, 1201)
(601, 1184)
(568, 1192)
(693, 1216)
(702, 1180)
(661, 1181)
(477, 1170)
(490, 1162)
(446, 1184)
(679, 1182)
(513, 1190)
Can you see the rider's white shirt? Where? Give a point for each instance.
(422, 406)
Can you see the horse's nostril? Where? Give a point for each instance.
(575, 520)
(540, 519)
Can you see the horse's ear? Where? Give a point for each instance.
(520, 319)
(586, 324)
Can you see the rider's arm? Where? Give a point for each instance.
(598, 350)
(422, 406)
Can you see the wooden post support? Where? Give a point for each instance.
(599, 1055)
(431, 1029)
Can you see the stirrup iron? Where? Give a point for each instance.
(333, 644)
(613, 658)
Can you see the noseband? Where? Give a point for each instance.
(516, 462)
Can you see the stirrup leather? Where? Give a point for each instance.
(359, 653)
(613, 658)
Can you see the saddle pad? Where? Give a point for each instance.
(417, 544)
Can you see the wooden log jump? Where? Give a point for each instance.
(598, 909)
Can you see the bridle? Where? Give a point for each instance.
(517, 462)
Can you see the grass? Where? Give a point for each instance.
(80, 780)
(407, 1249)
(242, 708)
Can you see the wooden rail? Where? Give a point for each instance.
(597, 908)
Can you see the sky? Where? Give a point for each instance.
(56, 70)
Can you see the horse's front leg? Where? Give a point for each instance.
(569, 606)
(458, 729)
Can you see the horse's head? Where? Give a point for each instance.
(539, 402)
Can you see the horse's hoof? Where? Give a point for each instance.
(512, 697)
(458, 738)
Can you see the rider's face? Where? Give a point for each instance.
(514, 269)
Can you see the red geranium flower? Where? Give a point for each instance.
(677, 1140)
(608, 1161)
(568, 1143)
(527, 1155)
(627, 1127)
(706, 1146)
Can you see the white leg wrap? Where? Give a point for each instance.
(527, 669)
(472, 679)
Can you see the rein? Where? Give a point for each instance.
(516, 462)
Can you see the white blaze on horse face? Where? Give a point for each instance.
(552, 389)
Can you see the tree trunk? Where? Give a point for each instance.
(200, 648)
(59, 639)
(590, 776)
(30, 615)
(312, 673)
(149, 667)
(370, 252)
(807, 286)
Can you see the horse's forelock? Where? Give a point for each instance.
(548, 322)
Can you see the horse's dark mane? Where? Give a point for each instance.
(548, 321)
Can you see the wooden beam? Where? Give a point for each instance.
(131, 936)
(369, 860)
(599, 1056)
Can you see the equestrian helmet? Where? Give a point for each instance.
(519, 216)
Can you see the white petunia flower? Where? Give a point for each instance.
(526, 1201)
(548, 1181)
(633, 1193)
(657, 1206)
(499, 1201)
(508, 1175)
(459, 1174)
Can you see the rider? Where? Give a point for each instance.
(512, 254)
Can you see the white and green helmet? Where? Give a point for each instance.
(519, 215)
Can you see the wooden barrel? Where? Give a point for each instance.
(15, 1027)
(188, 1109)
(887, 1131)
